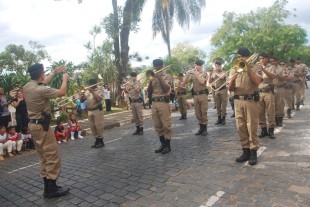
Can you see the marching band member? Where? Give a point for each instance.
(200, 92)
(267, 99)
(134, 90)
(279, 91)
(37, 97)
(289, 86)
(181, 90)
(94, 96)
(218, 80)
(245, 87)
(302, 72)
(160, 88)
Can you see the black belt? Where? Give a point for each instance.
(245, 97)
(99, 107)
(296, 81)
(288, 87)
(36, 121)
(165, 99)
(222, 88)
(135, 100)
(282, 86)
(200, 92)
(181, 93)
(266, 90)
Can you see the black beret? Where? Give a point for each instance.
(92, 81)
(158, 62)
(133, 74)
(218, 63)
(292, 61)
(245, 52)
(36, 67)
(180, 75)
(263, 54)
(298, 58)
(274, 58)
(199, 62)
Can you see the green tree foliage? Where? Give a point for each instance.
(10, 81)
(260, 30)
(186, 54)
(17, 58)
(184, 11)
(72, 86)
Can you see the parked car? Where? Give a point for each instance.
(308, 75)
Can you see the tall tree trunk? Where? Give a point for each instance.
(117, 54)
(116, 36)
(125, 31)
(166, 19)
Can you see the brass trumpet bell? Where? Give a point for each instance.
(242, 66)
(150, 75)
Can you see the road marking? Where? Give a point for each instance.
(22, 168)
(213, 199)
(114, 140)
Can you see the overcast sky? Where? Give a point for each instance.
(63, 26)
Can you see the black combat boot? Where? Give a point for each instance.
(137, 130)
(263, 132)
(277, 121)
(141, 131)
(167, 147)
(100, 143)
(298, 107)
(271, 133)
(185, 116)
(301, 102)
(52, 190)
(253, 157)
(233, 115)
(223, 120)
(200, 130)
(162, 141)
(219, 120)
(45, 187)
(96, 143)
(182, 117)
(280, 121)
(245, 155)
(204, 130)
(289, 113)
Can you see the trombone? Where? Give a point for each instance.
(70, 99)
(150, 74)
(240, 67)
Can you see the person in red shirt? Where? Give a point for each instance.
(74, 126)
(60, 132)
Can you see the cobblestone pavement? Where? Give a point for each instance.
(200, 171)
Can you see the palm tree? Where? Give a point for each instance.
(184, 11)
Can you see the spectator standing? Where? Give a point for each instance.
(5, 116)
(107, 97)
(83, 104)
(21, 112)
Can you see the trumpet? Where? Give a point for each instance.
(150, 74)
